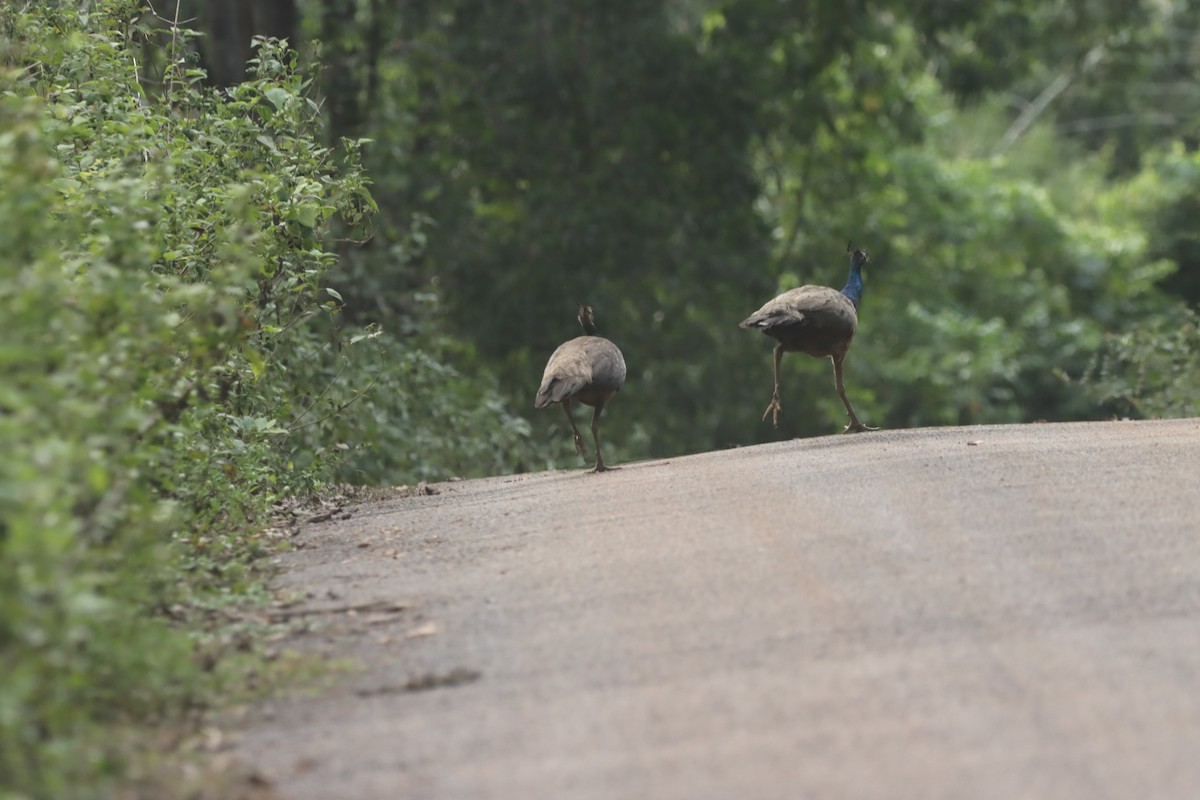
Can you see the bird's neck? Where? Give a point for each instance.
(854, 285)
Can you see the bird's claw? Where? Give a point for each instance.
(857, 427)
(773, 409)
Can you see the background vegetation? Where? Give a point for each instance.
(232, 271)
(1021, 172)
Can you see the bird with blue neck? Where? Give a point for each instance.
(819, 321)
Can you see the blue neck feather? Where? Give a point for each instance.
(854, 284)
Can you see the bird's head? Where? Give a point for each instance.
(587, 319)
(858, 256)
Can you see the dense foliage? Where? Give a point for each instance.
(174, 361)
(1006, 163)
(676, 164)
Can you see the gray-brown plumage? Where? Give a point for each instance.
(816, 320)
(588, 369)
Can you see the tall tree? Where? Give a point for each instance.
(231, 26)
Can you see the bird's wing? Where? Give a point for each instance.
(803, 305)
(607, 363)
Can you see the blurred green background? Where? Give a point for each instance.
(1023, 174)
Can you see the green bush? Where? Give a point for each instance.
(174, 362)
(88, 357)
(1151, 371)
(417, 415)
(169, 353)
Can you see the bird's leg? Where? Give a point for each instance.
(596, 437)
(854, 425)
(774, 407)
(579, 446)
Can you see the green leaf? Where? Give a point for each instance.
(307, 216)
(257, 364)
(278, 97)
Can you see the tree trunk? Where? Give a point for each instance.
(343, 57)
(231, 26)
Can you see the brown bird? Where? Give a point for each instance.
(589, 369)
(816, 320)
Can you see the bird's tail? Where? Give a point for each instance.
(554, 390)
(758, 321)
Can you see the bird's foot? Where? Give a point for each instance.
(602, 467)
(857, 427)
(773, 410)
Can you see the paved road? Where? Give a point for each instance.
(991, 612)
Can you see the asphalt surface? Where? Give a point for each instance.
(990, 612)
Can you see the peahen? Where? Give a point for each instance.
(589, 369)
(816, 320)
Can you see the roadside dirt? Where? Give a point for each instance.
(964, 612)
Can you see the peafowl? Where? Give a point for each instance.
(589, 369)
(816, 320)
